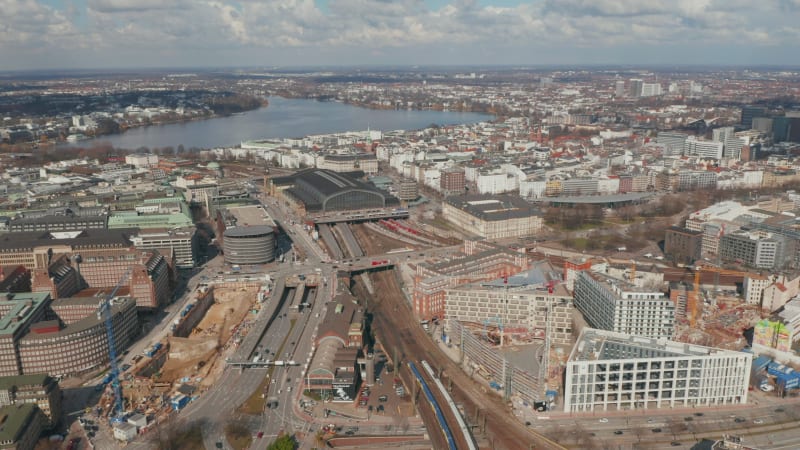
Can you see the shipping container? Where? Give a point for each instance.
(760, 363)
(776, 369)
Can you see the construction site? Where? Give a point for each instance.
(171, 373)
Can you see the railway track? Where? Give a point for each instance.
(397, 329)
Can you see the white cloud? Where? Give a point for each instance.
(180, 30)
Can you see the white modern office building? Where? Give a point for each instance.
(616, 305)
(609, 371)
(180, 241)
(703, 149)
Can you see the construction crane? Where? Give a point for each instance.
(693, 301)
(104, 311)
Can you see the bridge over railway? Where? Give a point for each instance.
(361, 216)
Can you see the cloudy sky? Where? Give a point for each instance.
(38, 34)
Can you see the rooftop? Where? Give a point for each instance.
(37, 379)
(542, 273)
(251, 215)
(14, 419)
(620, 286)
(493, 207)
(17, 309)
(601, 199)
(27, 240)
(594, 344)
(87, 322)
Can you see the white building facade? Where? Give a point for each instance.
(616, 305)
(609, 371)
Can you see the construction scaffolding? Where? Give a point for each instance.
(492, 365)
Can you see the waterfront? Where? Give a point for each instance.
(283, 118)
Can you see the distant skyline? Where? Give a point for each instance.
(87, 34)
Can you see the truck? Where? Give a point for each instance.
(495, 385)
(153, 350)
(279, 363)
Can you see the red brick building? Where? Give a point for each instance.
(64, 263)
(482, 261)
(452, 181)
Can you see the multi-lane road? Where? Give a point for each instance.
(770, 423)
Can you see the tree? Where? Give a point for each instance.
(284, 442)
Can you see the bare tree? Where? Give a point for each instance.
(676, 425)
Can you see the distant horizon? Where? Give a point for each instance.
(150, 34)
(405, 67)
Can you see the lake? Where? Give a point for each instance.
(283, 118)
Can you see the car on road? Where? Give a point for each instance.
(260, 434)
(738, 420)
(675, 444)
(603, 420)
(779, 410)
(349, 432)
(699, 414)
(383, 398)
(618, 432)
(656, 430)
(758, 421)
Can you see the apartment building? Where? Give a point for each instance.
(696, 180)
(761, 250)
(610, 371)
(611, 304)
(496, 181)
(522, 304)
(452, 181)
(482, 261)
(40, 389)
